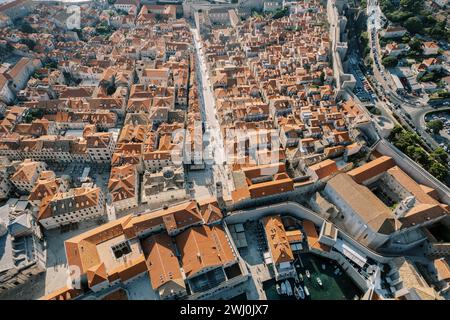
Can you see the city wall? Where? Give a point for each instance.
(338, 49)
(413, 169)
(300, 212)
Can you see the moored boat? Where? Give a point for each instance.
(278, 288)
(288, 288)
(308, 274)
(296, 294)
(283, 288)
(306, 290)
(319, 281)
(300, 292)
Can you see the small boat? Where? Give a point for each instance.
(283, 288)
(296, 294)
(299, 293)
(288, 288)
(308, 274)
(300, 277)
(278, 289)
(319, 281)
(323, 266)
(306, 290)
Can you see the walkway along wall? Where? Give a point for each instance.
(297, 193)
(300, 212)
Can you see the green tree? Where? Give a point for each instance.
(103, 28)
(26, 27)
(429, 19)
(444, 94)
(429, 76)
(397, 130)
(413, 25)
(399, 16)
(364, 37)
(406, 39)
(29, 43)
(418, 154)
(49, 63)
(435, 126)
(438, 170)
(386, 6)
(411, 5)
(279, 13)
(34, 114)
(416, 44)
(5, 51)
(404, 139)
(440, 155)
(389, 62)
(438, 30)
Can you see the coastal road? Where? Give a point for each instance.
(410, 110)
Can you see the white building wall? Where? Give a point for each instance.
(75, 216)
(356, 227)
(6, 94)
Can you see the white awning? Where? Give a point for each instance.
(350, 253)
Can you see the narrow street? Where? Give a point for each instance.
(215, 166)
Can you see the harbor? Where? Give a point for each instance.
(317, 279)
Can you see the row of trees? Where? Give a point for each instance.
(433, 76)
(442, 94)
(364, 40)
(408, 142)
